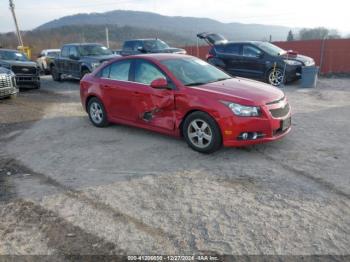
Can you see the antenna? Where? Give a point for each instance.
(12, 8)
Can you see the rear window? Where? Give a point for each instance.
(233, 49)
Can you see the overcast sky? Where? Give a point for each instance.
(295, 13)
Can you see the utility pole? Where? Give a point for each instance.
(12, 8)
(107, 37)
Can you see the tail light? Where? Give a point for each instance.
(208, 56)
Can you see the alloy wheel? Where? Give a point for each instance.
(199, 133)
(96, 113)
(276, 77)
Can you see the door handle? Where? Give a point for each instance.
(136, 93)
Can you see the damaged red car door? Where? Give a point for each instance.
(152, 100)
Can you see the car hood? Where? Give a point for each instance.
(243, 90)
(4, 70)
(99, 59)
(301, 58)
(168, 50)
(19, 63)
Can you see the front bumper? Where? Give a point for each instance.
(294, 72)
(267, 126)
(8, 91)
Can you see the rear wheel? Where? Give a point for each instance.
(202, 133)
(97, 112)
(56, 76)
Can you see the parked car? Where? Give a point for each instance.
(45, 59)
(182, 95)
(77, 60)
(8, 86)
(27, 72)
(145, 46)
(255, 59)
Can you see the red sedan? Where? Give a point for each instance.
(182, 95)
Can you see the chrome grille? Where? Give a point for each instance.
(24, 70)
(5, 81)
(280, 112)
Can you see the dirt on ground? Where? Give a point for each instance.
(68, 188)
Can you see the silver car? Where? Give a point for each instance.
(8, 87)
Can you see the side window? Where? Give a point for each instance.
(220, 48)
(145, 73)
(137, 45)
(65, 51)
(233, 49)
(128, 45)
(73, 51)
(105, 72)
(120, 71)
(251, 51)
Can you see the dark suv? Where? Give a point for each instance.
(76, 60)
(27, 72)
(255, 59)
(144, 46)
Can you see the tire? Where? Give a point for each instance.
(37, 85)
(56, 76)
(84, 71)
(202, 133)
(275, 77)
(97, 112)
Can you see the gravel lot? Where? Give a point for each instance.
(69, 188)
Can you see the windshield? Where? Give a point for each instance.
(193, 71)
(12, 55)
(155, 45)
(270, 48)
(53, 53)
(94, 50)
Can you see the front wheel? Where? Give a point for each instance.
(202, 133)
(97, 113)
(276, 77)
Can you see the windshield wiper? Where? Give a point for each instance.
(196, 84)
(220, 79)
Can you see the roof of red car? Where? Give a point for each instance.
(159, 57)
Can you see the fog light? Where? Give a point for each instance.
(245, 136)
(255, 136)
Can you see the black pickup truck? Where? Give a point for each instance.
(27, 72)
(148, 46)
(76, 60)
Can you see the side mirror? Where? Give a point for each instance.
(159, 83)
(141, 49)
(74, 57)
(261, 55)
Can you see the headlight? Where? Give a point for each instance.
(292, 62)
(95, 65)
(310, 62)
(240, 110)
(8, 66)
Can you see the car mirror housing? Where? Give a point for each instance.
(159, 83)
(141, 49)
(74, 57)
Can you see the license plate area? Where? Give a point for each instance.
(286, 123)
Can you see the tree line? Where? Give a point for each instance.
(314, 33)
(55, 38)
